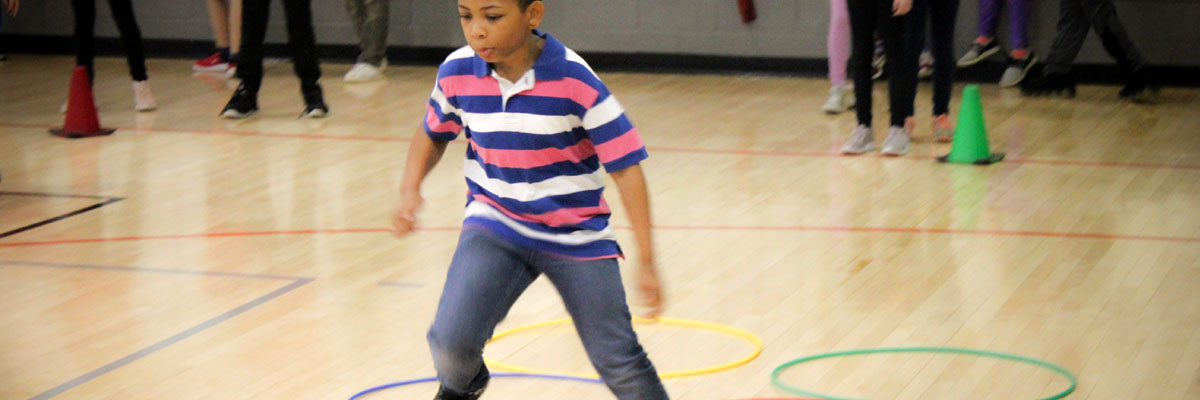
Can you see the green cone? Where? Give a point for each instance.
(970, 135)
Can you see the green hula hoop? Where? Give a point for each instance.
(944, 350)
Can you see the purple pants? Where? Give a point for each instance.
(1018, 21)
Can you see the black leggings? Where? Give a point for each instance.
(865, 17)
(941, 15)
(131, 36)
(301, 41)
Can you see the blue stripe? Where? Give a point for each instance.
(627, 161)
(611, 130)
(542, 105)
(586, 198)
(456, 67)
(504, 140)
(599, 248)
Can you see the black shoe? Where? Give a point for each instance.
(1139, 87)
(1037, 84)
(314, 103)
(244, 103)
(447, 394)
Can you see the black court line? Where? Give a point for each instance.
(70, 196)
(137, 355)
(107, 201)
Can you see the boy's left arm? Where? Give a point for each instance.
(632, 185)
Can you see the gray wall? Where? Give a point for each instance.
(1167, 31)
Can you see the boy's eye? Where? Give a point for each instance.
(465, 16)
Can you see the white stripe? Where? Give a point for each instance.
(603, 113)
(526, 191)
(583, 236)
(443, 104)
(517, 122)
(574, 57)
(462, 52)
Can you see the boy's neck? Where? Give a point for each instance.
(515, 68)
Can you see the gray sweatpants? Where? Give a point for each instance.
(370, 18)
(1075, 18)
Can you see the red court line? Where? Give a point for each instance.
(846, 229)
(750, 152)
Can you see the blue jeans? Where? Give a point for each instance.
(487, 275)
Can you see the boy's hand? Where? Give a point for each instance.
(649, 289)
(12, 6)
(901, 7)
(404, 218)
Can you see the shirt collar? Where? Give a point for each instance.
(550, 65)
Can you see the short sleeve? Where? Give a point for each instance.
(617, 142)
(443, 121)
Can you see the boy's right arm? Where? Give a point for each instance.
(423, 154)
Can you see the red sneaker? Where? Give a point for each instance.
(212, 63)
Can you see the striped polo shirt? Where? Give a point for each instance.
(535, 148)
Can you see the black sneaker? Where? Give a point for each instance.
(314, 103)
(1038, 84)
(1139, 87)
(979, 52)
(244, 103)
(446, 394)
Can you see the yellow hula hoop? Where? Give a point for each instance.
(708, 326)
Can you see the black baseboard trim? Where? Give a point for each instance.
(986, 72)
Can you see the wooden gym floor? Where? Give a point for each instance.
(190, 257)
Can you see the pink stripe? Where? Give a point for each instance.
(614, 149)
(556, 218)
(469, 85)
(431, 120)
(505, 158)
(568, 88)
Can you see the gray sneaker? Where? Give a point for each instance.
(897, 142)
(1017, 68)
(861, 141)
(978, 52)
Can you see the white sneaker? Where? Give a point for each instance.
(841, 98)
(143, 100)
(861, 141)
(897, 142)
(363, 72)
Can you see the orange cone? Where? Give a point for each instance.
(81, 120)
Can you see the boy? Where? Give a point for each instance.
(540, 125)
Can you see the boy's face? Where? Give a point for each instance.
(498, 29)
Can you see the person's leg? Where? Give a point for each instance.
(486, 276)
(595, 298)
(989, 19)
(235, 29)
(373, 33)
(218, 19)
(131, 38)
(85, 39)
(255, 14)
(915, 26)
(1103, 17)
(838, 41)
(862, 38)
(1073, 28)
(1018, 25)
(892, 30)
(942, 20)
(302, 42)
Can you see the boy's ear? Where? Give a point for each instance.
(536, 11)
